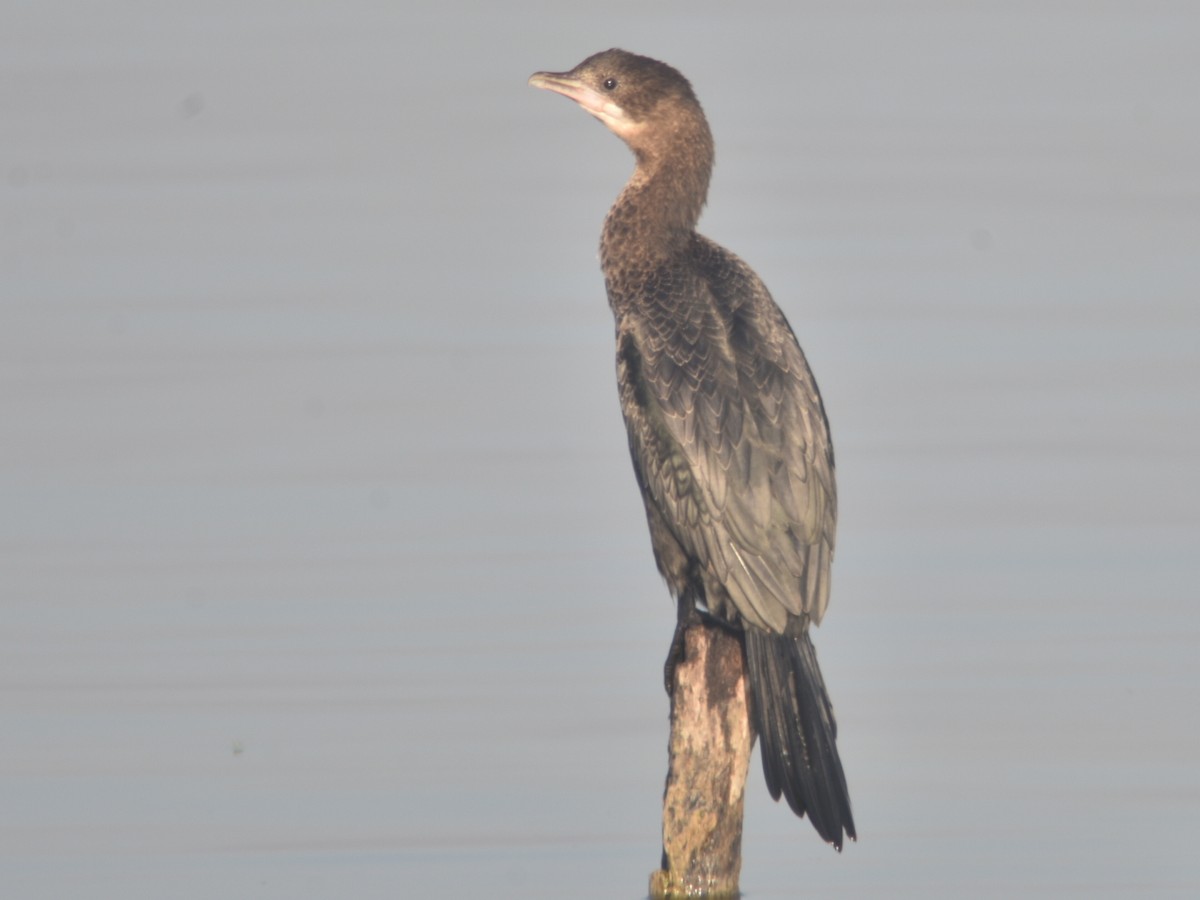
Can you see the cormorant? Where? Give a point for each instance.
(728, 433)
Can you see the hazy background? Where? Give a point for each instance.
(322, 569)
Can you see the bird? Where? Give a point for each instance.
(727, 430)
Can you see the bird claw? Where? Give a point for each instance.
(677, 652)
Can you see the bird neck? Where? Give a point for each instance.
(656, 214)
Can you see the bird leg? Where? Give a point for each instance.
(687, 616)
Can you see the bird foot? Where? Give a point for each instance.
(687, 617)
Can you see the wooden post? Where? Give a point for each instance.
(710, 749)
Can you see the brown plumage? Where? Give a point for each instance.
(727, 430)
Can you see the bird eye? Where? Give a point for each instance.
(610, 84)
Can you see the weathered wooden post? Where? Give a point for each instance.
(709, 752)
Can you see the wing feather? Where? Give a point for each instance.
(729, 435)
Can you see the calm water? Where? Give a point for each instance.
(323, 571)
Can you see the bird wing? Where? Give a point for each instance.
(729, 435)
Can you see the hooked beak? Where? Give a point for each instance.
(587, 97)
(563, 83)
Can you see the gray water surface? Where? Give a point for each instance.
(323, 570)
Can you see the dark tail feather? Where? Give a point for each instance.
(795, 724)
